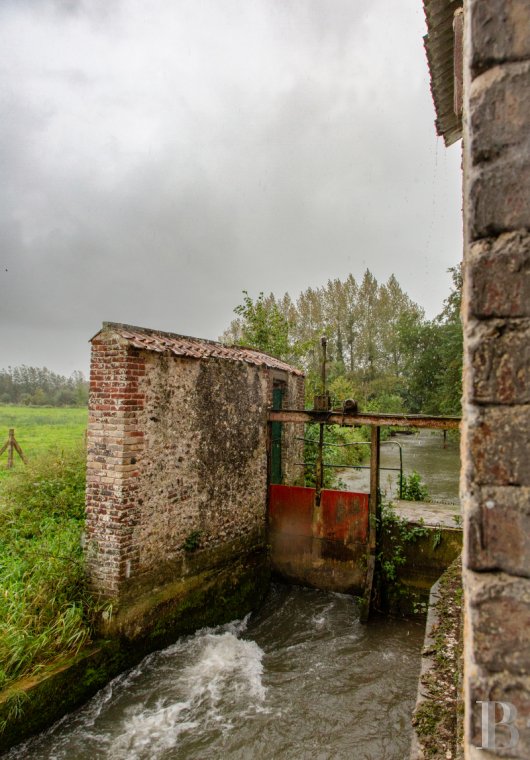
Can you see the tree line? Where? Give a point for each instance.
(382, 350)
(39, 386)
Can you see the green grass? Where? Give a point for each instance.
(40, 430)
(45, 606)
(46, 609)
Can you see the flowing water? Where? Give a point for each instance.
(423, 452)
(301, 679)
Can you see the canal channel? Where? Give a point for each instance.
(302, 678)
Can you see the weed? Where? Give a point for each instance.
(15, 708)
(395, 534)
(419, 607)
(413, 488)
(192, 541)
(436, 538)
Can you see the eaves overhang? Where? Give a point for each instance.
(440, 49)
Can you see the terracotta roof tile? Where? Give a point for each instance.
(196, 348)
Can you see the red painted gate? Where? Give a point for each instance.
(322, 546)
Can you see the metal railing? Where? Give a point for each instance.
(358, 466)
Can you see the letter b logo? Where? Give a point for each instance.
(489, 724)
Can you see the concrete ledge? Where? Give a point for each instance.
(438, 729)
(427, 662)
(32, 704)
(218, 593)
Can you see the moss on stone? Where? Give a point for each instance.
(436, 718)
(32, 704)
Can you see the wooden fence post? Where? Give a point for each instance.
(12, 445)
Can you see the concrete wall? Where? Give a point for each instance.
(177, 458)
(496, 469)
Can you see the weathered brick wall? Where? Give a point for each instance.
(114, 444)
(496, 311)
(177, 447)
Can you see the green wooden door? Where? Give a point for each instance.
(276, 443)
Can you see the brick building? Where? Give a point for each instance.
(177, 457)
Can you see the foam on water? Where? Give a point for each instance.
(226, 664)
(217, 668)
(302, 678)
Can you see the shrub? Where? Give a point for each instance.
(413, 488)
(395, 535)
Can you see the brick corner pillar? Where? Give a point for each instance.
(114, 448)
(495, 483)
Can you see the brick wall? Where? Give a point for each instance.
(496, 312)
(114, 445)
(177, 446)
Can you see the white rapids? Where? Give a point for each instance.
(301, 679)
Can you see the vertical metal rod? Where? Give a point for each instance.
(374, 518)
(319, 475)
(375, 460)
(319, 480)
(400, 472)
(324, 343)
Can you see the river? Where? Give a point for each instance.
(423, 452)
(301, 679)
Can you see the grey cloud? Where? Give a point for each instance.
(158, 158)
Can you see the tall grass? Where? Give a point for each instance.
(45, 606)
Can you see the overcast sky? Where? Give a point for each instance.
(157, 157)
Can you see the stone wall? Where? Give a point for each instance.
(496, 311)
(204, 461)
(177, 463)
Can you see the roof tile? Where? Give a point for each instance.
(196, 348)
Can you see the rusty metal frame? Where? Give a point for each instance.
(343, 418)
(359, 466)
(336, 417)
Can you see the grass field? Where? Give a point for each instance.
(45, 606)
(39, 430)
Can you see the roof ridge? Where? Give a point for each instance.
(154, 331)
